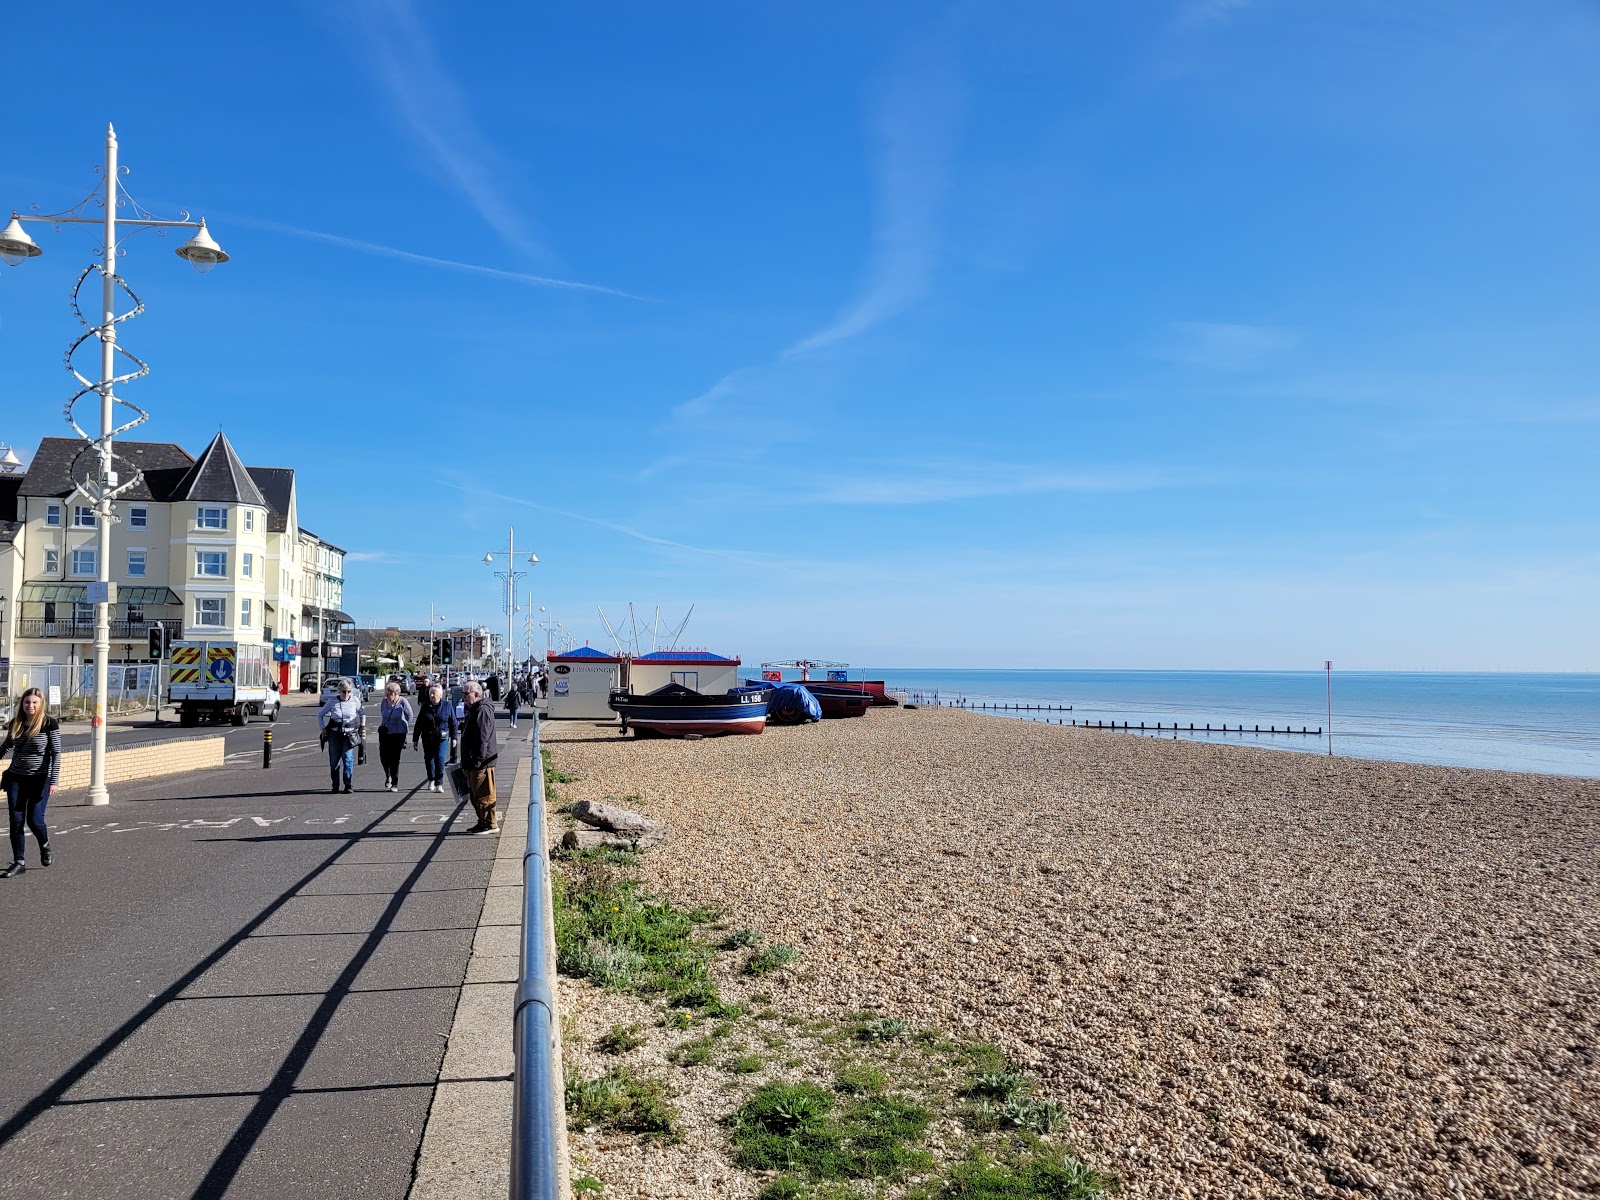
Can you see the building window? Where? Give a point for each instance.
(212, 563)
(247, 565)
(138, 518)
(135, 614)
(249, 520)
(52, 560)
(82, 517)
(135, 562)
(244, 613)
(212, 518)
(82, 613)
(211, 611)
(83, 562)
(52, 514)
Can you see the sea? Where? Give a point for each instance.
(1546, 724)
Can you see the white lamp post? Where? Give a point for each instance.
(201, 252)
(510, 575)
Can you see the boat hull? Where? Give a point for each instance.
(839, 701)
(680, 713)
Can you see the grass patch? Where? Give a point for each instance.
(551, 773)
(884, 1029)
(745, 1064)
(622, 1101)
(798, 1128)
(587, 1185)
(694, 1053)
(1042, 1176)
(615, 856)
(769, 958)
(741, 939)
(610, 931)
(858, 1079)
(620, 1039)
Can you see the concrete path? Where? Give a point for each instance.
(234, 983)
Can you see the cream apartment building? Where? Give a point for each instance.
(207, 547)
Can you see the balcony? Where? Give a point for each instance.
(83, 631)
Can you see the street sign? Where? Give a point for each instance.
(101, 593)
(55, 695)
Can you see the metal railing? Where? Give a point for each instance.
(83, 631)
(538, 1107)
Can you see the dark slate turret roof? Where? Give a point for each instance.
(220, 478)
(277, 485)
(60, 464)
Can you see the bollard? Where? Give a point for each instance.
(266, 748)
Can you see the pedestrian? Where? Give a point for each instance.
(344, 723)
(394, 722)
(479, 750)
(544, 684)
(34, 740)
(513, 700)
(436, 727)
(494, 687)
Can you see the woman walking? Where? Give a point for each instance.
(513, 701)
(34, 740)
(393, 724)
(343, 723)
(436, 726)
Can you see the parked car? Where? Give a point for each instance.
(331, 687)
(369, 683)
(405, 683)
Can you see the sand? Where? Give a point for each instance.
(1244, 972)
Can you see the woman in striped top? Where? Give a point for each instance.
(35, 744)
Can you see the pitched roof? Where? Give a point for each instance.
(277, 485)
(9, 531)
(683, 656)
(219, 477)
(60, 464)
(583, 654)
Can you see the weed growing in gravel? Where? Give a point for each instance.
(858, 1079)
(884, 1029)
(745, 1064)
(615, 856)
(620, 1100)
(620, 1039)
(1042, 1176)
(741, 939)
(610, 931)
(587, 1185)
(769, 958)
(798, 1128)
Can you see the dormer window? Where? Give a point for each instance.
(211, 518)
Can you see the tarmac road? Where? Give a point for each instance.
(234, 983)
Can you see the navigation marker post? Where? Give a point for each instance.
(1327, 666)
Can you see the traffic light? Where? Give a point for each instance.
(445, 647)
(158, 642)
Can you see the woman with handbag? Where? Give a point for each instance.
(34, 740)
(394, 721)
(344, 723)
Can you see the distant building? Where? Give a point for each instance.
(207, 547)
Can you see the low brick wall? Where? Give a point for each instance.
(145, 760)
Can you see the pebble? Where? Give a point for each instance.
(1244, 972)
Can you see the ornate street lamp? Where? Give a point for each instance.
(200, 251)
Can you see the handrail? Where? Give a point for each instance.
(538, 1112)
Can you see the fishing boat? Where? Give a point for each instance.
(673, 710)
(835, 676)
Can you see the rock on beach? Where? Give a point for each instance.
(1244, 972)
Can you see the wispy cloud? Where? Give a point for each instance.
(913, 128)
(433, 105)
(1220, 346)
(428, 260)
(943, 482)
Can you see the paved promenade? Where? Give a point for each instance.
(234, 983)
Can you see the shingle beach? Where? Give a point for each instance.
(1245, 973)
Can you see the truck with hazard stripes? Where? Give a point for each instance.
(222, 681)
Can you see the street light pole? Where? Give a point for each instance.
(510, 575)
(201, 252)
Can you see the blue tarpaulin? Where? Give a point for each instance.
(791, 704)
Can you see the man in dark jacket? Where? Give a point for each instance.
(479, 750)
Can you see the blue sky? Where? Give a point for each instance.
(1195, 335)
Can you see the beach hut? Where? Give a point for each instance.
(580, 684)
(700, 670)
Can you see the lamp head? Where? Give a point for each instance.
(201, 251)
(16, 247)
(9, 462)
(488, 558)
(533, 560)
